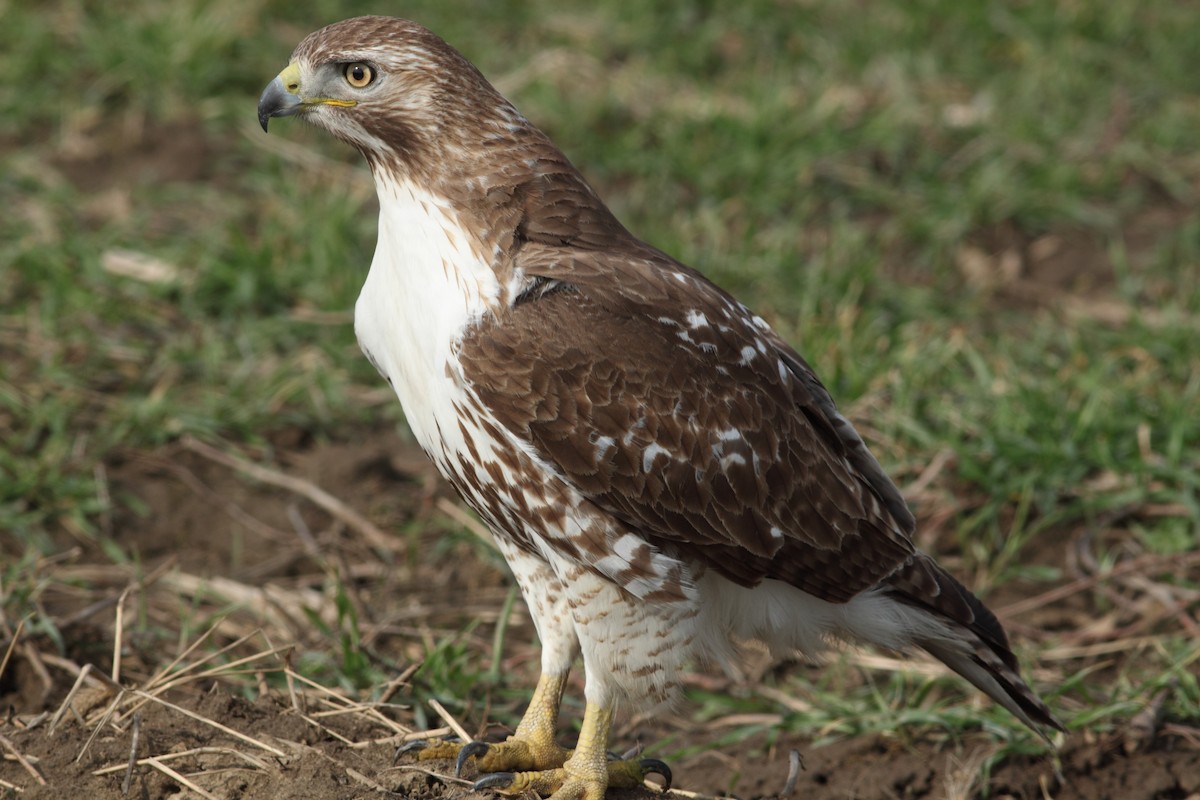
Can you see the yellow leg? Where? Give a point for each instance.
(538, 724)
(531, 761)
(531, 747)
(587, 773)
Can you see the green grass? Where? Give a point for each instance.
(827, 164)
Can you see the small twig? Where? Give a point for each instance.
(108, 714)
(784, 699)
(164, 769)
(119, 635)
(376, 537)
(253, 761)
(231, 668)
(365, 781)
(213, 723)
(1100, 648)
(326, 730)
(33, 722)
(37, 662)
(223, 670)
(133, 748)
(324, 690)
(1190, 734)
(397, 682)
(439, 775)
(449, 720)
(1149, 561)
(158, 676)
(157, 684)
(12, 645)
(330, 697)
(22, 760)
(298, 704)
(363, 709)
(766, 719)
(66, 665)
(935, 468)
(918, 664)
(88, 671)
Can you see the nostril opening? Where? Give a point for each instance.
(293, 87)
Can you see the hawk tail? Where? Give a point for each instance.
(974, 644)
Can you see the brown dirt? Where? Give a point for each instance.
(216, 551)
(311, 763)
(195, 514)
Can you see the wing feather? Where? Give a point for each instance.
(671, 407)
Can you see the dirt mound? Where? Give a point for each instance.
(229, 747)
(243, 574)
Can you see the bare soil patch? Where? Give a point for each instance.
(264, 572)
(214, 544)
(349, 759)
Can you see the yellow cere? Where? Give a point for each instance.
(290, 78)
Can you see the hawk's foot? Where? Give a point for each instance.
(427, 749)
(586, 773)
(569, 783)
(515, 754)
(530, 748)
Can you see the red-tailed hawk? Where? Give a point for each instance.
(666, 477)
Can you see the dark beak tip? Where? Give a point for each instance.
(274, 102)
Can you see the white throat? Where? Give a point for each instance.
(428, 282)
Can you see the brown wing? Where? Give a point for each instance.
(671, 407)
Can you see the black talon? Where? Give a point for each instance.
(470, 749)
(408, 747)
(656, 767)
(418, 744)
(496, 780)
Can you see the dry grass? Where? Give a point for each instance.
(980, 225)
(257, 630)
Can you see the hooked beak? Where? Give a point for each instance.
(281, 98)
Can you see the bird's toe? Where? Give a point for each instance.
(470, 750)
(426, 749)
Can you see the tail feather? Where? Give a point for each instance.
(977, 647)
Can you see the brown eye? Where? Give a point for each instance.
(359, 74)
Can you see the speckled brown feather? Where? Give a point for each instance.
(693, 433)
(594, 383)
(555, 368)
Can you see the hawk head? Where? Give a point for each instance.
(424, 116)
(392, 89)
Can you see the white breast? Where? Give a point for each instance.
(428, 282)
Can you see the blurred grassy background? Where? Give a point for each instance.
(979, 222)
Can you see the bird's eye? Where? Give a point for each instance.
(359, 74)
